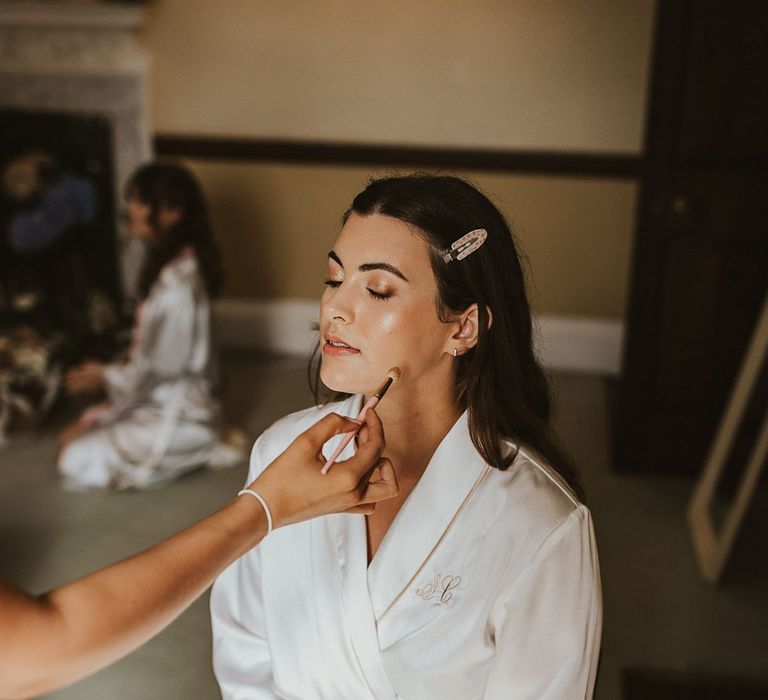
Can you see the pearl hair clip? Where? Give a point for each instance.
(466, 245)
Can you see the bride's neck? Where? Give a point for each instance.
(416, 419)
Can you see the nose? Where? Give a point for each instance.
(340, 306)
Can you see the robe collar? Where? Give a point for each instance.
(451, 477)
(448, 483)
(348, 534)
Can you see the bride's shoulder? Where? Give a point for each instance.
(282, 432)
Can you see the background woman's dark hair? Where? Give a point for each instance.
(168, 185)
(500, 380)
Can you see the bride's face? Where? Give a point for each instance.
(379, 309)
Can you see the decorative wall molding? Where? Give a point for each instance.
(284, 326)
(605, 165)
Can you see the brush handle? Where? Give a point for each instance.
(371, 403)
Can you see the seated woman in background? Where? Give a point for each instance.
(480, 578)
(160, 420)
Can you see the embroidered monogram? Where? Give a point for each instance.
(440, 588)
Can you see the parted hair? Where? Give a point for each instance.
(169, 185)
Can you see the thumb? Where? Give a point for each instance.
(382, 485)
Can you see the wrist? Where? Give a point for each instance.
(250, 520)
(274, 497)
(252, 493)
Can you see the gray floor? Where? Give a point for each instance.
(658, 614)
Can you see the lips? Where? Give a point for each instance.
(333, 345)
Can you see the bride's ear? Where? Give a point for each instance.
(469, 327)
(490, 317)
(467, 330)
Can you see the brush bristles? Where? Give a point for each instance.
(395, 374)
(392, 376)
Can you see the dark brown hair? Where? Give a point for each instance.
(500, 381)
(171, 186)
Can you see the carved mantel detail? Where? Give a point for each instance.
(81, 57)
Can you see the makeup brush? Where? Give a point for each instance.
(394, 374)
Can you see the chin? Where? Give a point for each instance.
(345, 381)
(338, 383)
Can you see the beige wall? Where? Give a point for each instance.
(555, 74)
(276, 224)
(550, 74)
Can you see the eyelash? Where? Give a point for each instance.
(333, 284)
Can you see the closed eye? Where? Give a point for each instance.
(333, 284)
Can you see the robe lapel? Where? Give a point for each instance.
(452, 476)
(454, 473)
(348, 533)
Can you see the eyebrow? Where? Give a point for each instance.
(366, 267)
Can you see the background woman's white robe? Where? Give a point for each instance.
(485, 586)
(161, 418)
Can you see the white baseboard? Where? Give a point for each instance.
(581, 344)
(565, 343)
(281, 325)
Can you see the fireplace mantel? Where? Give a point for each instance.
(57, 14)
(81, 58)
(65, 37)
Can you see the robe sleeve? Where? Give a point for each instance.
(547, 626)
(166, 334)
(241, 657)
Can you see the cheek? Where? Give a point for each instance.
(390, 322)
(410, 336)
(135, 218)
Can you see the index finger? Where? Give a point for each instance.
(363, 462)
(372, 428)
(327, 427)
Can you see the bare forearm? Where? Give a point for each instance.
(80, 627)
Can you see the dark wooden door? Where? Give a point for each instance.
(700, 267)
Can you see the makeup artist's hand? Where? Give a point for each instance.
(295, 490)
(50, 640)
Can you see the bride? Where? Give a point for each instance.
(480, 579)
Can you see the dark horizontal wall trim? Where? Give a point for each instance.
(321, 152)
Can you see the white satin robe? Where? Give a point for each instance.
(161, 418)
(485, 586)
